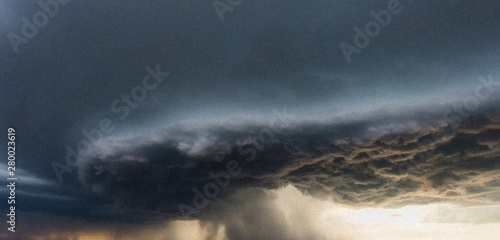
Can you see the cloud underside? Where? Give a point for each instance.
(153, 175)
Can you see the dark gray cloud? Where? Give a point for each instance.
(418, 165)
(264, 56)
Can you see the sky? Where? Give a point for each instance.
(251, 120)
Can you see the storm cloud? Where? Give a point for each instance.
(356, 164)
(413, 119)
